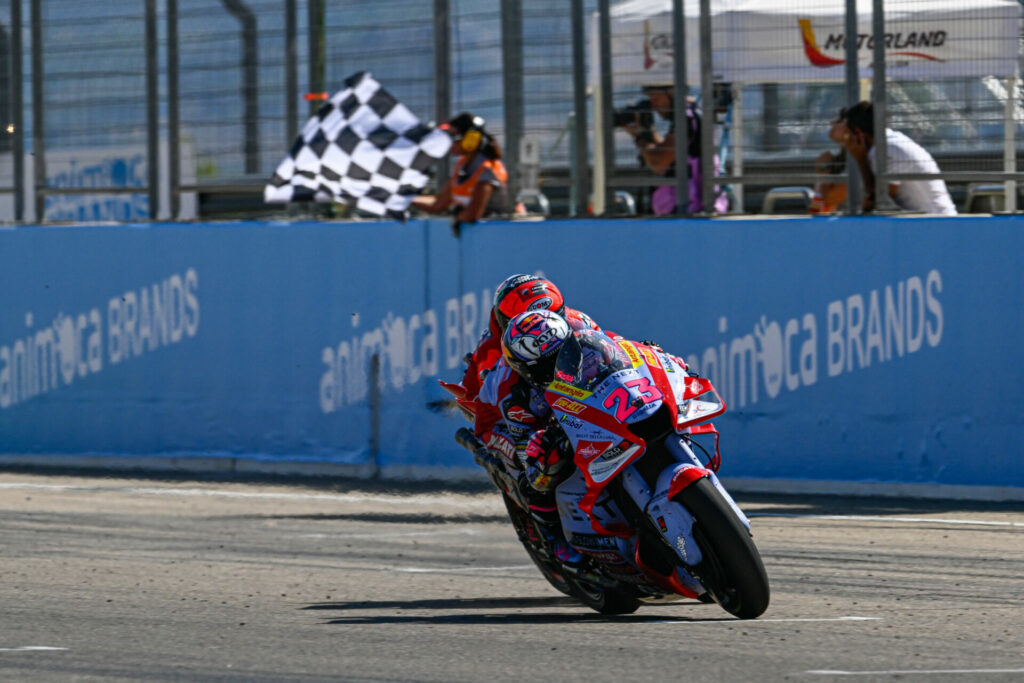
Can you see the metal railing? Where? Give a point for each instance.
(141, 109)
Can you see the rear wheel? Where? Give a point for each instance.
(524, 526)
(731, 569)
(598, 598)
(601, 599)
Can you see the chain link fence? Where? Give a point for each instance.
(138, 109)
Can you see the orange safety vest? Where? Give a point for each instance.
(462, 193)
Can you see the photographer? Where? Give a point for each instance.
(659, 153)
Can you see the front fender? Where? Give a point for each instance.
(672, 519)
(676, 478)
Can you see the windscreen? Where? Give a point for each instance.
(587, 357)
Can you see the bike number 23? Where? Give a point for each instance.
(619, 399)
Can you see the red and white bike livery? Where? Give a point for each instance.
(650, 518)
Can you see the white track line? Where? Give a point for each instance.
(396, 499)
(879, 518)
(913, 672)
(754, 622)
(458, 500)
(31, 648)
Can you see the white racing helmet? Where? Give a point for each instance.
(531, 343)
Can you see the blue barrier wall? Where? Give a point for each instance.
(861, 349)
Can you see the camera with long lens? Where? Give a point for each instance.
(640, 113)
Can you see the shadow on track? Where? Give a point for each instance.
(448, 603)
(496, 610)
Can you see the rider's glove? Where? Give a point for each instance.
(545, 458)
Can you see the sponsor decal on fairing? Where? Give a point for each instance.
(650, 357)
(503, 445)
(634, 355)
(568, 406)
(603, 467)
(591, 449)
(594, 542)
(572, 422)
(561, 387)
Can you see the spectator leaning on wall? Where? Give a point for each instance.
(830, 191)
(855, 131)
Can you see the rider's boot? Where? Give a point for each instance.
(544, 510)
(565, 553)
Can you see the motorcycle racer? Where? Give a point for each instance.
(516, 294)
(628, 423)
(512, 415)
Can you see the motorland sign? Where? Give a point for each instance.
(899, 47)
(806, 41)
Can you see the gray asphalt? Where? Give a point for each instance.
(140, 579)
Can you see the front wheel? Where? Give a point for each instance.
(731, 569)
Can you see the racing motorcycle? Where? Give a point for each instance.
(651, 519)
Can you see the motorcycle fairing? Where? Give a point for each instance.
(602, 518)
(619, 550)
(633, 398)
(628, 382)
(626, 396)
(456, 390)
(597, 465)
(665, 385)
(631, 351)
(675, 380)
(691, 410)
(466, 405)
(603, 467)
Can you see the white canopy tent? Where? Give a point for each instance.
(804, 41)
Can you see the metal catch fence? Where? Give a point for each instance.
(143, 109)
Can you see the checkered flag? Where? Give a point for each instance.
(363, 148)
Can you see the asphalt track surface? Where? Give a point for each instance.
(155, 580)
